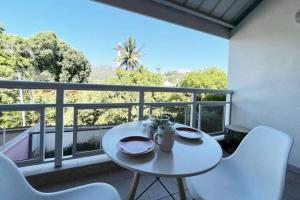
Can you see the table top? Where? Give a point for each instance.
(187, 158)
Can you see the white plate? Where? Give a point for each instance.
(136, 145)
(189, 133)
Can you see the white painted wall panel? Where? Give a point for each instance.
(264, 70)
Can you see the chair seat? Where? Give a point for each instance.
(223, 182)
(95, 191)
(255, 171)
(14, 186)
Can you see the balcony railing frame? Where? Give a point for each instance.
(60, 105)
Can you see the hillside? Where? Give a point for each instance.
(101, 72)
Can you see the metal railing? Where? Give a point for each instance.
(60, 105)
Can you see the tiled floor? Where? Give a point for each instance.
(292, 186)
(121, 179)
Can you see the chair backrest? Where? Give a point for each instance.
(13, 185)
(262, 158)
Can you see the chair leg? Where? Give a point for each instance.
(134, 185)
(181, 189)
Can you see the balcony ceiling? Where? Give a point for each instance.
(217, 17)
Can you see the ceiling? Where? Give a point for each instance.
(217, 17)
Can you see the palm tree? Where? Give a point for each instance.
(128, 55)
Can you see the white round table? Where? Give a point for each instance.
(187, 158)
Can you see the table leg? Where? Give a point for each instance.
(181, 188)
(134, 185)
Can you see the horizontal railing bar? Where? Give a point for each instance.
(100, 105)
(33, 107)
(212, 103)
(24, 107)
(168, 104)
(101, 87)
(80, 129)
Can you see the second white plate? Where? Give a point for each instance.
(189, 133)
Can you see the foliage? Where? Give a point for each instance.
(210, 78)
(14, 64)
(15, 55)
(2, 28)
(90, 117)
(43, 57)
(129, 54)
(139, 76)
(92, 144)
(214, 97)
(56, 57)
(212, 118)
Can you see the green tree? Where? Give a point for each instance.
(14, 56)
(14, 64)
(139, 76)
(43, 57)
(56, 57)
(210, 78)
(129, 55)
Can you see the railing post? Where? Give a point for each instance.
(75, 127)
(224, 118)
(59, 127)
(199, 116)
(193, 110)
(42, 134)
(150, 110)
(129, 113)
(186, 115)
(228, 109)
(141, 105)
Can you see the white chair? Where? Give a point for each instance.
(256, 171)
(13, 186)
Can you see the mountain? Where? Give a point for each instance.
(101, 72)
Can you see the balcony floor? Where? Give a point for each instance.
(121, 180)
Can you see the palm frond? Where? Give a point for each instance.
(130, 55)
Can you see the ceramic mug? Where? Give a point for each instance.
(165, 137)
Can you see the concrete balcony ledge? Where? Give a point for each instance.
(44, 174)
(67, 164)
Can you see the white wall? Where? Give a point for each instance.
(264, 70)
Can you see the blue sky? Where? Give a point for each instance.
(95, 29)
